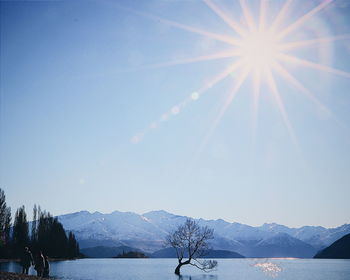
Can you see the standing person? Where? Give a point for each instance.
(26, 260)
(39, 264)
(47, 267)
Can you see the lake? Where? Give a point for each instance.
(228, 269)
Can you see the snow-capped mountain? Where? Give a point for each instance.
(282, 244)
(318, 237)
(147, 232)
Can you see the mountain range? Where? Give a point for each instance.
(146, 232)
(340, 249)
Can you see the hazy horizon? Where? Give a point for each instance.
(236, 110)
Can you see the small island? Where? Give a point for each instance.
(131, 255)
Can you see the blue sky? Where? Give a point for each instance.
(78, 84)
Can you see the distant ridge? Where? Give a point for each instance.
(147, 232)
(218, 254)
(106, 252)
(340, 249)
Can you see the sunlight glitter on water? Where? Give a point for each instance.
(269, 268)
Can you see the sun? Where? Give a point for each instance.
(261, 50)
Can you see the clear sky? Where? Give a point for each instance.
(99, 113)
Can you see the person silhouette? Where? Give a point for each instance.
(39, 264)
(26, 260)
(47, 267)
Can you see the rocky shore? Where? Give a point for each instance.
(17, 276)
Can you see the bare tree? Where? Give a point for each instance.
(190, 242)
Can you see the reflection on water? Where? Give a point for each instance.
(198, 277)
(269, 268)
(163, 269)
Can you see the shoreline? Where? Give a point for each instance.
(50, 260)
(9, 260)
(17, 276)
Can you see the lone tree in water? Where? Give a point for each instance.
(190, 242)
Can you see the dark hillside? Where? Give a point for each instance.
(340, 249)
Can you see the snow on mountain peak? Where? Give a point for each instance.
(157, 213)
(153, 226)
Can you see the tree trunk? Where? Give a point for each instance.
(177, 269)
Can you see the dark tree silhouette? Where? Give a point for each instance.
(190, 242)
(5, 226)
(34, 236)
(47, 234)
(52, 239)
(73, 246)
(20, 230)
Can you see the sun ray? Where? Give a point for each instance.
(306, 63)
(234, 25)
(179, 107)
(260, 50)
(277, 96)
(256, 88)
(256, 97)
(237, 85)
(302, 19)
(216, 36)
(216, 79)
(262, 18)
(215, 56)
(290, 78)
(247, 15)
(307, 43)
(280, 16)
(222, 75)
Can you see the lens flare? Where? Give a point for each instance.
(259, 47)
(195, 95)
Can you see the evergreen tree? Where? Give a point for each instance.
(20, 231)
(43, 232)
(52, 238)
(60, 245)
(73, 246)
(5, 226)
(47, 233)
(34, 224)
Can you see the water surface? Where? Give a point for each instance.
(163, 269)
